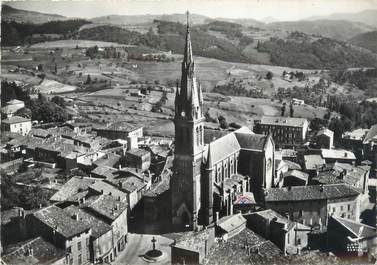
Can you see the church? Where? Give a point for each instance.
(208, 173)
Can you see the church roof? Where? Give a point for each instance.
(212, 135)
(252, 141)
(223, 147)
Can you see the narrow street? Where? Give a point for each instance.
(139, 244)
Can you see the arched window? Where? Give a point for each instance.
(197, 136)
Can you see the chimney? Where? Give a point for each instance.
(217, 218)
(117, 206)
(31, 251)
(321, 188)
(118, 198)
(345, 154)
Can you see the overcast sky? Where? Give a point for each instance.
(257, 9)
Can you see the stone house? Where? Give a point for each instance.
(16, 124)
(311, 205)
(291, 237)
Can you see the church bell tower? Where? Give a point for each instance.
(189, 144)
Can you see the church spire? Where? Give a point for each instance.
(188, 61)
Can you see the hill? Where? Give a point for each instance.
(146, 19)
(170, 37)
(300, 50)
(368, 17)
(9, 13)
(336, 29)
(366, 40)
(14, 33)
(248, 22)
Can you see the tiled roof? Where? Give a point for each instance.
(315, 192)
(234, 250)
(159, 187)
(15, 119)
(231, 222)
(270, 215)
(312, 161)
(337, 154)
(297, 174)
(108, 206)
(372, 134)
(223, 147)
(193, 240)
(43, 253)
(72, 187)
(98, 226)
(292, 165)
(137, 152)
(328, 177)
(57, 219)
(108, 189)
(130, 183)
(109, 160)
(39, 132)
(283, 121)
(252, 141)
(104, 171)
(358, 229)
(326, 132)
(121, 126)
(160, 150)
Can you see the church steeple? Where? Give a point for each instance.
(188, 61)
(189, 144)
(189, 98)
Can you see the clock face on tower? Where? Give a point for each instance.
(183, 114)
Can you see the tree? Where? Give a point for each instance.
(223, 122)
(291, 110)
(24, 112)
(88, 80)
(269, 75)
(283, 110)
(58, 101)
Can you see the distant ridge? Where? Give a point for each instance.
(9, 13)
(366, 40)
(337, 29)
(148, 18)
(368, 17)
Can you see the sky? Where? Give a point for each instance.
(258, 9)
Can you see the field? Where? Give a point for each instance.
(73, 43)
(112, 94)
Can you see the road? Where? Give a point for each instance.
(139, 244)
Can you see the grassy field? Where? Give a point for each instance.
(73, 43)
